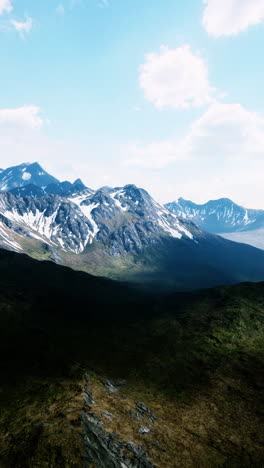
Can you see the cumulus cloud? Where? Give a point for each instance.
(23, 27)
(223, 132)
(26, 116)
(230, 17)
(175, 78)
(5, 6)
(158, 154)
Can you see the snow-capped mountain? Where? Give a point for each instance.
(219, 216)
(122, 233)
(124, 220)
(24, 174)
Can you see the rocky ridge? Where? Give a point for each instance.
(124, 220)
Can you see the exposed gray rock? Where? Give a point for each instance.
(144, 430)
(142, 411)
(110, 386)
(123, 220)
(108, 415)
(88, 397)
(105, 451)
(86, 377)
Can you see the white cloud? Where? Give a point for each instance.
(23, 27)
(175, 78)
(230, 17)
(26, 116)
(5, 6)
(155, 155)
(60, 10)
(223, 132)
(228, 131)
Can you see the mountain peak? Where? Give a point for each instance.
(218, 216)
(78, 183)
(24, 174)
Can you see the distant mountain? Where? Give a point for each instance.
(63, 189)
(219, 216)
(24, 174)
(125, 234)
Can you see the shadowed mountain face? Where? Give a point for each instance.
(101, 373)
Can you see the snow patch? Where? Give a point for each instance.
(117, 201)
(26, 176)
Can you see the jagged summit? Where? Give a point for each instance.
(79, 182)
(31, 180)
(70, 217)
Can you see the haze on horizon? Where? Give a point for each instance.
(166, 96)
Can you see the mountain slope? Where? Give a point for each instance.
(219, 216)
(124, 234)
(99, 373)
(19, 176)
(124, 220)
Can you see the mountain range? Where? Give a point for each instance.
(120, 232)
(224, 217)
(112, 374)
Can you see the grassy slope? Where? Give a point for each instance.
(195, 359)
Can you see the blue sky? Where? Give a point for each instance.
(165, 94)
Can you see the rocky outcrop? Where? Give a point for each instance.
(104, 449)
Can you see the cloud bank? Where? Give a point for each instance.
(230, 17)
(5, 6)
(223, 132)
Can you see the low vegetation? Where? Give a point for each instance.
(196, 360)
